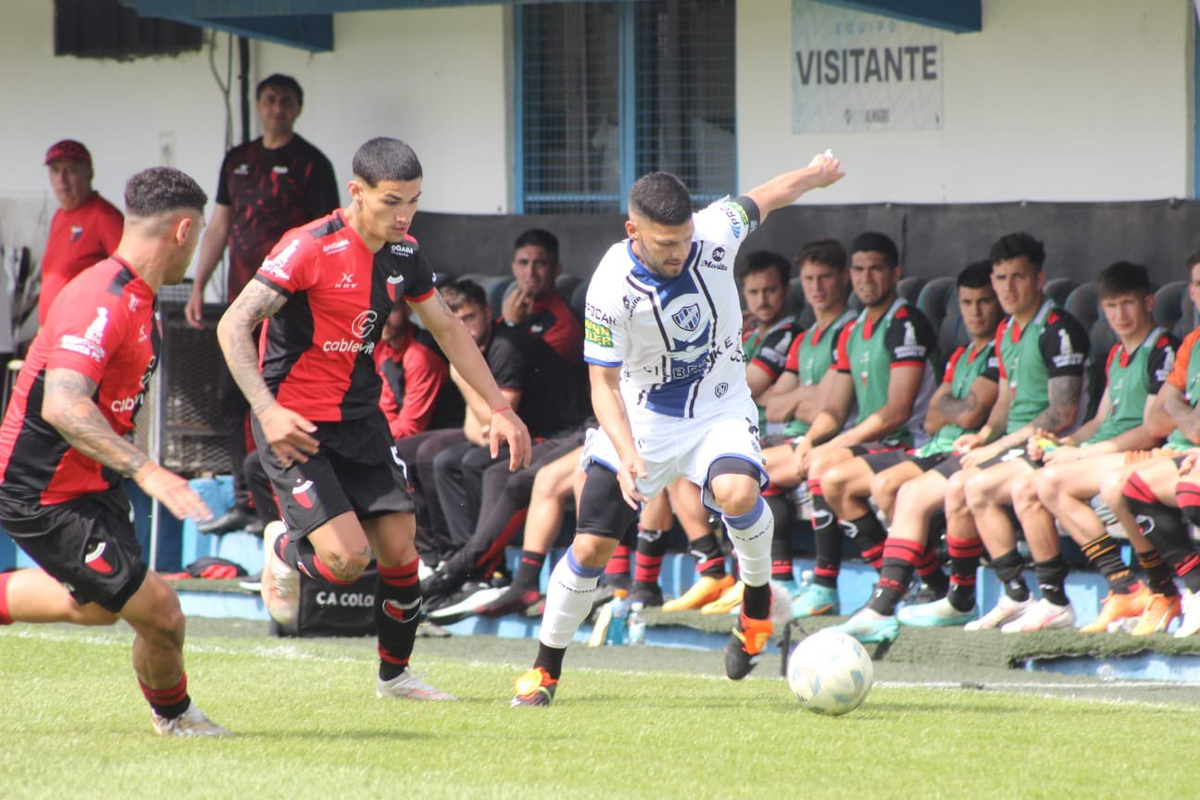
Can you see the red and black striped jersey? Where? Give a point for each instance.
(104, 327)
(316, 352)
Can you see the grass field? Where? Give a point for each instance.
(635, 722)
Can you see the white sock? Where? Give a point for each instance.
(751, 536)
(569, 600)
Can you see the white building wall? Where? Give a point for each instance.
(1054, 100)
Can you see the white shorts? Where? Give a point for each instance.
(683, 447)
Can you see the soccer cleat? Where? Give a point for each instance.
(1189, 623)
(869, 627)
(791, 587)
(1117, 608)
(515, 600)
(927, 594)
(535, 687)
(1041, 616)
(1005, 611)
(814, 601)
(190, 723)
(280, 583)
(703, 591)
(746, 643)
(729, 602)
(648, 594)
(1161, 611)
(938, 614)
(466, 604)
(408, 686)
(431, 630)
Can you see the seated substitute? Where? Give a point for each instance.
(534, 304)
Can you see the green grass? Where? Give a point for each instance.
(73, 724)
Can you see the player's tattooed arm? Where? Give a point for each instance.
(235, 333)
(968, 412)
(69, 407)
(1065, 394)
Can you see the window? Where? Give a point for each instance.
(610, 91)
(106, 29)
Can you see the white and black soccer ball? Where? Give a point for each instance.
(830, 672)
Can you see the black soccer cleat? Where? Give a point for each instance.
(746, 644)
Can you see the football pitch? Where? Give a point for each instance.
(632, 721)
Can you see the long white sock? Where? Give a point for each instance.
(751, 536)
(568, 600)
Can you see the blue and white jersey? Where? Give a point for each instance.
(677, 340)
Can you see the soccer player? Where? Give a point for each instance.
(959, 406)
(324, 292)
(891, 338)
(662, 336)
(63, 451)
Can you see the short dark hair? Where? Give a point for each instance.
(875, 242)
(1018, 245)
(762, 261)
(1123, 277)
(538, 237)
(661, 197)
(463, 291)
(158, 190)
(284, 82)
(826, 252)
(386, 159)
(976, 276)
(1193, 259)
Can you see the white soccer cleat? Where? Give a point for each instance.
(1189, 622)
(1042, 616)
(280, 583)
(1005, 611)
(190, 723)
(407, 686)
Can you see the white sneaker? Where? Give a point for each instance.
(466, 606)
(280, 583)
(406, 685)
(1189, 621)
(1042, 616)
(190, 723)
(1005, 611)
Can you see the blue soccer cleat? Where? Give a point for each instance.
(937, 614)
(869, 627)
(814, 601)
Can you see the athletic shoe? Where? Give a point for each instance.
(190, 723)
(515, 600)
(465, 604)
(408, 686)
(703, 591)
(938, 614)
(729, 602)
(1160, 612)
(1189, 623)
(648, 594)
(251, 584)
(535, 687)
(746, 643)
(1005, 611)
(431, 630)
(868, 626)
(280, 583)
(1117, 608)
(791, 587)
(814, 601)
(1041, 616)
(927, 594)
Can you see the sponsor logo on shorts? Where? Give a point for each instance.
(300, 492)
(597, 334)
(94, 558)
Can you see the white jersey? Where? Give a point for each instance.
(677, 340)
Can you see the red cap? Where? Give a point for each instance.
(68, 150)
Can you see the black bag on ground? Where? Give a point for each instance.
(327, 609)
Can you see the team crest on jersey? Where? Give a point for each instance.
(688, 317)
(395, 286)
(76, 232)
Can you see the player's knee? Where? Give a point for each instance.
(977, 491)
(92, 614)
(1048, 486)
(885, 489)
(1025, 495)
(735, 494)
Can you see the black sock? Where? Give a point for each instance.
(900, 558)
(1164, 527)
(397, 615)
(964, 563)
(529, 570)
(1104, 554)
(616, 572)
(756, 601)
(1051, 575)
(647, 563)
(168, 703)
(828, 538)
(930, 570)
(1009, 567)
(869, 534)
(1159, 576)
(781, 539)
(710, 561)
(550, 659)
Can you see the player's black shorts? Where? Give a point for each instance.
(602, 509)
(1011, 454)
(356, 469)
(881, 446)
(87, 544)
(879, 460)
(945, 464)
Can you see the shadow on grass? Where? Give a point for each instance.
(326, 735)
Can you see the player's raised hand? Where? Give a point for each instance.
(632, 469)
(172, 491)
(516, 305)
(193, 311)
(507, 427)
(288, 433)
(828, 169)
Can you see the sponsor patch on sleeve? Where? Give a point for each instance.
(597, 334)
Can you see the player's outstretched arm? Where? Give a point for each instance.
(609, 408)
(69, 407)
(463, 353)
(782, 190)
(287, 432)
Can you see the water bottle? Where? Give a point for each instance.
(636, 627)
(620, 617)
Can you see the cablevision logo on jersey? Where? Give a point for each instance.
(361, 329)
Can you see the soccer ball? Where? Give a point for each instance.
(830, 672)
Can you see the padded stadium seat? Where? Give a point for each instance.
(443, 278)
(1059, 288)
(933, 300)
(951, 335)
(578, 299)
(565, 284)
(910, 288)
(1102, 340)
(795, 298)
(1083, 303)
(1172, 308)
(806, 318)
(497, 286)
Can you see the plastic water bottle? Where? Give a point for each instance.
(636, 628)
(620, 617)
